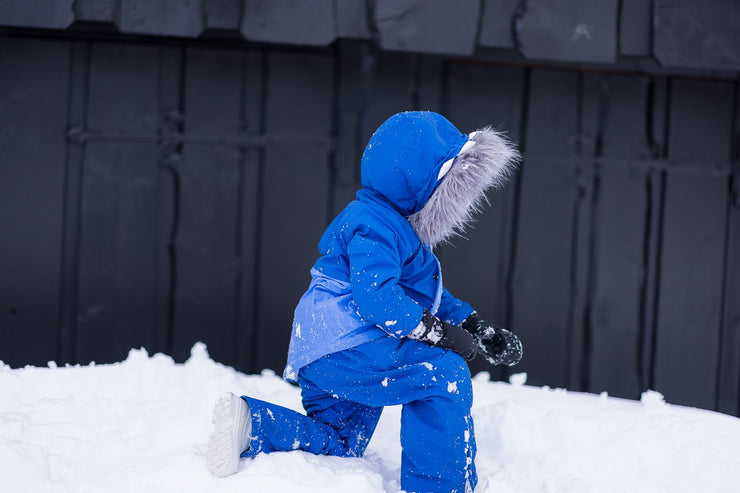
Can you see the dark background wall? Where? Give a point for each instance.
(164, 181)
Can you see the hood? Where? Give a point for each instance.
(404, 156)
(485, 162)
(433, 174)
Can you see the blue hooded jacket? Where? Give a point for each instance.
(375, 276)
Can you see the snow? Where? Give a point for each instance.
(142, 424)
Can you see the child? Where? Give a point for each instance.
(376, 327)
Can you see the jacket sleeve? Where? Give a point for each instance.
(375, 269)
(453, 310)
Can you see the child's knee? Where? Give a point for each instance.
(452, 380)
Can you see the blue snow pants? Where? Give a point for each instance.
(344, 394)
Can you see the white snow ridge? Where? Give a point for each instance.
(142, 425)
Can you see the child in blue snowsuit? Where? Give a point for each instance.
(376, 327)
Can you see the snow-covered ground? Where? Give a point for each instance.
(141, 425)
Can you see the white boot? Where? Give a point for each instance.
(230, 437)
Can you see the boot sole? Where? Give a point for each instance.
(230, 437)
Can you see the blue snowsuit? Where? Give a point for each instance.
(349, 349)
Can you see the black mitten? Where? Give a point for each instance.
(499, 346)
(439, 333)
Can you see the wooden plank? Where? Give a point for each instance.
(352, 89)
(655, 191)
(592, 113)
(476, 267)
(430, 83)
(624, 134)
(484, 106)
(708, 141)
(95, 10)
(37, 13)
(253, 94)
(169, 131)
(119, 229)
(583, 31)
(309, 22)
(424, 27)
(79, 69)
(391, 85)
(728, 398)
(33, 119)
(116, 106)
(692, 262)
(615, 316)
(541, 284)
(165, 253)
(700, 35)
(495, 30)
(690, 293)
(164, 17)
(635, 27)
(351, 19)
(616, 328)
(217, 73)
(659, 96)
(222, 14)
(208, 265)
(552, 127)
(296, 180)
(659, 92)
(117, 247)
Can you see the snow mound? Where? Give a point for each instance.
(142, 424)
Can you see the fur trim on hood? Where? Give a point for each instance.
(461, 193)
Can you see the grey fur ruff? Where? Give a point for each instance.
(462, 192)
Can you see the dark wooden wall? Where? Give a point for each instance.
(160, 193)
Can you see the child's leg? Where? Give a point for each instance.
(436, 392)
(354, 423)
(437, 433)
(332, 427)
